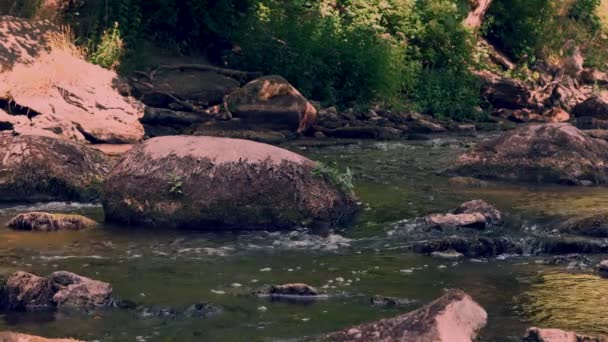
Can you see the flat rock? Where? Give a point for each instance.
(455, 317)
(46, 222)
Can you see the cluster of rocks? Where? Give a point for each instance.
(199, 182)
(24, 291)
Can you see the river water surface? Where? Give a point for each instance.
(395, 181)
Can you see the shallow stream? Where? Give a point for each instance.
(395, 181)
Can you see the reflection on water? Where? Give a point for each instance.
(569, 301)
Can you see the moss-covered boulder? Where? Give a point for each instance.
(37, 168)
(548, 153)
(47, 222)
(215, 183)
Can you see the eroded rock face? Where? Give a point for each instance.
(557, 335)
(46, 222)
(35, 168)
(28, 292)
(271, 101)
(216, 183)
(53, 91)
(455, 317)
(550, 153)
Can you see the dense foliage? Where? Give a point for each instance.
(529, 30)
(407, 54)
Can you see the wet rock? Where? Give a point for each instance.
(295, 291)
(216, 183)
(449, 255)
(566, 245)
(475, 214)
(595, 107)
(549, 153)
(453, 317)
(36, 168)
(237, 130)
(602, 268)
(472, 247)
(595, 225)
(77, 292)
(198, 310)
(27, 292)
(574, 260)
(46, 222)
(272, 102)
(556, 335)
(390, 301)
(467, 182)
(7, 336)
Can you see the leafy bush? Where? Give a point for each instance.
(110, 49)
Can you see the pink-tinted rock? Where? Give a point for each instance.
(26, 292)
(214, 183)
(52, 90)
(476, 214)
(47, 222)
(455, 317)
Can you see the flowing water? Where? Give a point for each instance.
(395, 181)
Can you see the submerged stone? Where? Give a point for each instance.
(218, 183)
(454, 317)
(45, 222)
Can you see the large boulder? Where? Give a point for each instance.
(48, 88)
(208, 182)
(271, 101)
(455, 317)
(595, 107)
(46, 222)
(549, 153)
(595, 225)
(24, 291)
(36, 168)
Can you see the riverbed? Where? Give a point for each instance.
(396, 181)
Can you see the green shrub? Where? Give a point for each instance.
(110, 49)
